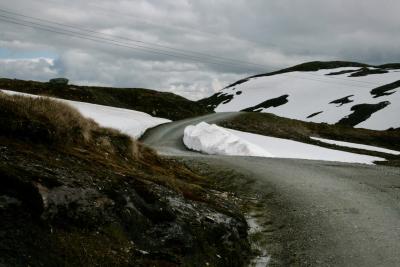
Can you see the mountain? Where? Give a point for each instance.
(336, 92)
(159, 104)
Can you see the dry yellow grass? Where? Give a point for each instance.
(59, 126)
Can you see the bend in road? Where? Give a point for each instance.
(335, 214)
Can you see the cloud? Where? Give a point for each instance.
(272, 34)
(35, 69)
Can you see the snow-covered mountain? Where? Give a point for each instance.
(332, 92)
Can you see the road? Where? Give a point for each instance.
(314, 213)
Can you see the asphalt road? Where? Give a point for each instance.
(320, 213)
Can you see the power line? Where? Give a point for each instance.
(93, 37)
(116, 43)
(108, 41)
(178, 50)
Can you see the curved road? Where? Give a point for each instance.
(320, 213)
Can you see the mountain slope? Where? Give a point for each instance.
(345, 93)
(160, 104)
(75, 194)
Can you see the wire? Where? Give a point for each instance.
(185, 51)
(92, 36)
(107, 41)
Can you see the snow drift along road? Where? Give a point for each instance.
(215, 140)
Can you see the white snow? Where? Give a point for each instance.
(311, 92)
(130, 122)
(215, 140)
(212, 139)
(354, 145)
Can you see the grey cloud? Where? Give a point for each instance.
(274, 34)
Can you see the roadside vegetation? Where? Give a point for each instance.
(75, 194)
(159, 104)
(275, 126)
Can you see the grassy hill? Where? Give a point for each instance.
(159, 104)
(75, 194)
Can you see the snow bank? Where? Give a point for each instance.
(215, 140)
(284, 148)
(354, 145)
(212, 139)
(130, 122)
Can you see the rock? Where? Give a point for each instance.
(59, 81)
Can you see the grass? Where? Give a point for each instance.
(94, 174)
(160, 104)
(272, 125)
(61, 127)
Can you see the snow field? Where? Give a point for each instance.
(311, 92)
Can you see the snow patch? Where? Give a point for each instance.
(215, 140)
(130, 122)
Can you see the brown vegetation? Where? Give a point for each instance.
(75, 194)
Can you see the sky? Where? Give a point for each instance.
(189, 47)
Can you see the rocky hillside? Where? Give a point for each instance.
(155, 103)
(75, 194)
(344, 93)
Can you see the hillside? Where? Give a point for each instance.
(159, 104)
(344, 93)
(75, 194)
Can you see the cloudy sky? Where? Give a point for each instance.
(189, 47)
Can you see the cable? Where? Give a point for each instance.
(142, 48)
(108, 41)
(185, 51)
